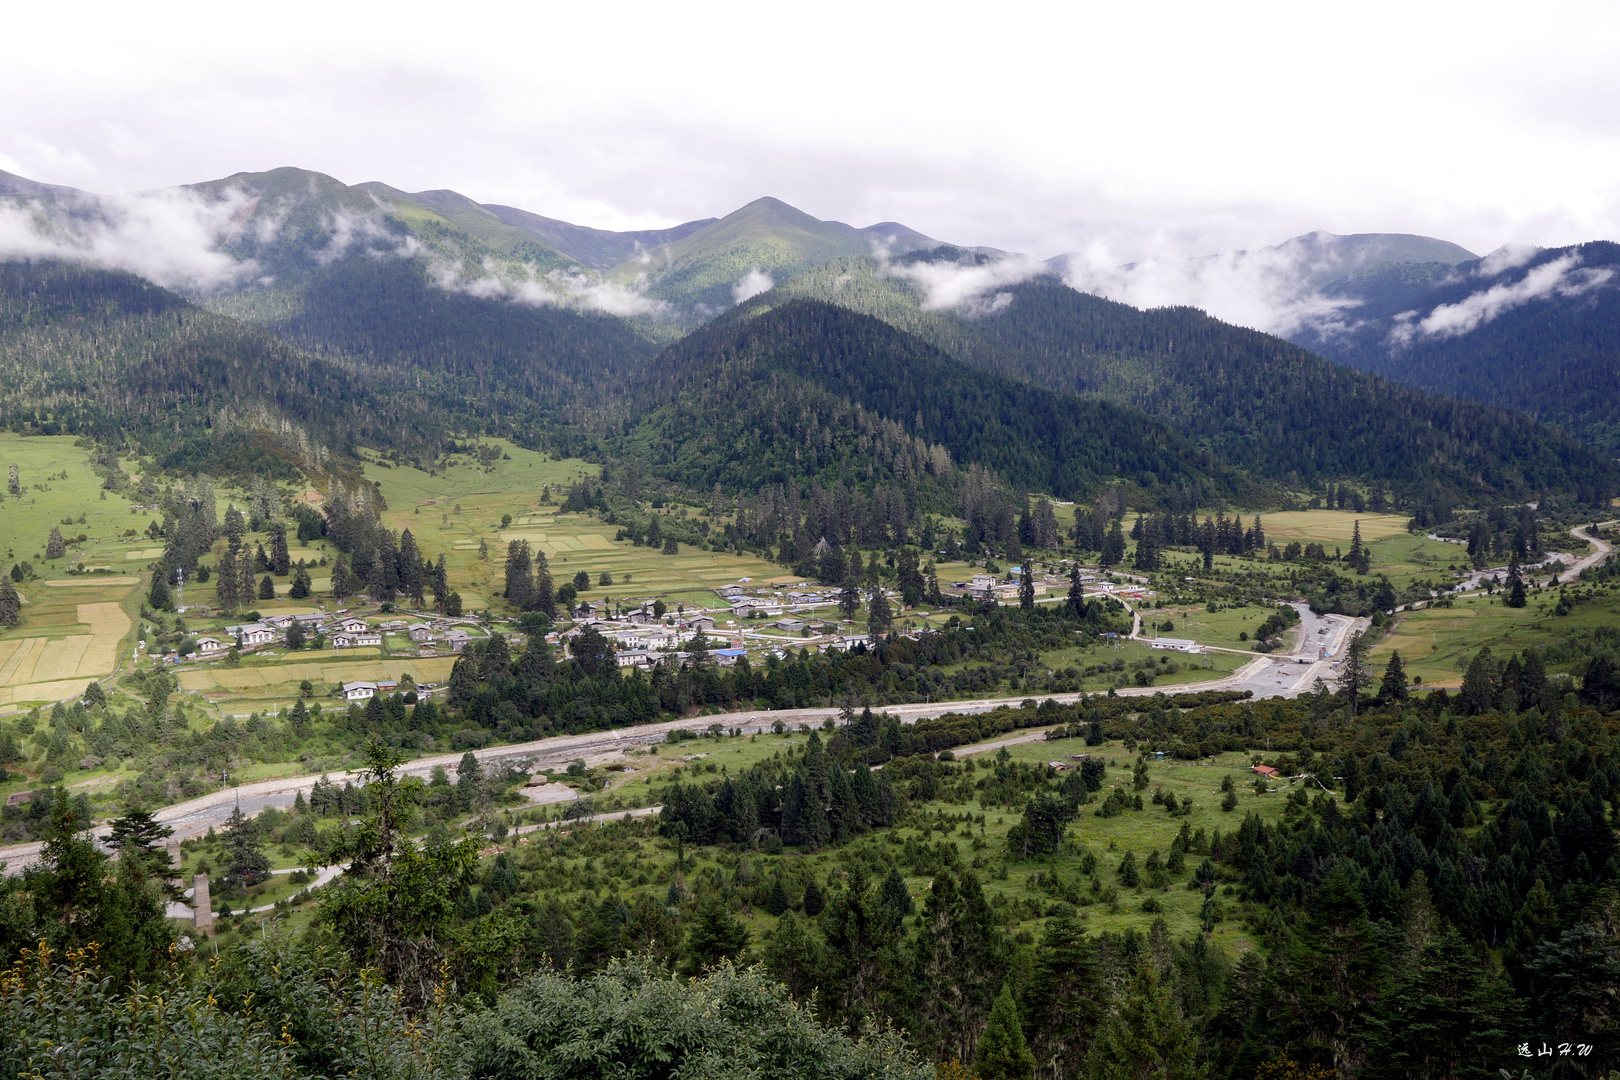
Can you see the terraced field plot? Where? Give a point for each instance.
(71, 633)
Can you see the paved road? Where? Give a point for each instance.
(1601, 549)
(1265, 676)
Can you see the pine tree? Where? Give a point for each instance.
(158, 597)
(879, 617)
(1393, 686)
(815, 901)
(139, 841)
(233, 525)
(1145, 1036)
(411, 576)
(441, 583)
(280, 560)
(1002, 1052)
(10, 604)
(1480, 687)
(1515, 583)
(1113, 549)
(543, 598)
(518, 570)
(463, 681)
(244, 574)
(261, 561)
(1353, 675)
(849, 597)
(1355, 543)
(301, 584)
(55, 546)
(911, 580)
(245, 861)
(381, 586)
(715, 935)
(342, 580)
(267, 588)
(536, 667)
(226, 588)
(1026, 587)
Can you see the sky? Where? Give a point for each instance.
(1121, 131)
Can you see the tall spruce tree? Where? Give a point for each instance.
(280, 560)
(1393, 686)
(10, 603)
(158, 597)
(1003, 1054)
(55, 546)
(1146, 1035)
(519, 571)
(1113, 549)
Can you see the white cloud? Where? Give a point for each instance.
(172, 237)
(1506, 257)
(1272, 289)
(526, 284)
(751, 284)
(1562, 277)
(969, 288)
(346, 228)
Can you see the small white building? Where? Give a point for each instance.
(359, 691)
(208, 645)
(354, 626)
(250, 634)
(345, 640)
(1177, 645)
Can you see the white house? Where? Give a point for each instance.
(252, 633)
(208, 645)
(345, 640)
(354, 626)
(359, 691)
(1177, 645)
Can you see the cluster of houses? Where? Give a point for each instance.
(342, 630)
(778, 600)
(1003, 590)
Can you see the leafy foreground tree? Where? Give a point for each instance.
(393, 907)
(282, 1011)
(74, 898)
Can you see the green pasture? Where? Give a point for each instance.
(1437, 643)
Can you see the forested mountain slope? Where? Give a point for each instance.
(709, 271)
(812, 389)
(107, 354)
(1251, 400)
(1541, 335)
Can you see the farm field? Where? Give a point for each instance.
(73, 628)
(1437, 643)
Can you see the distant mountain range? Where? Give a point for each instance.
(489, 317)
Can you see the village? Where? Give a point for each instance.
(753, 620)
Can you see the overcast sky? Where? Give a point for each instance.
(1124, 129)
